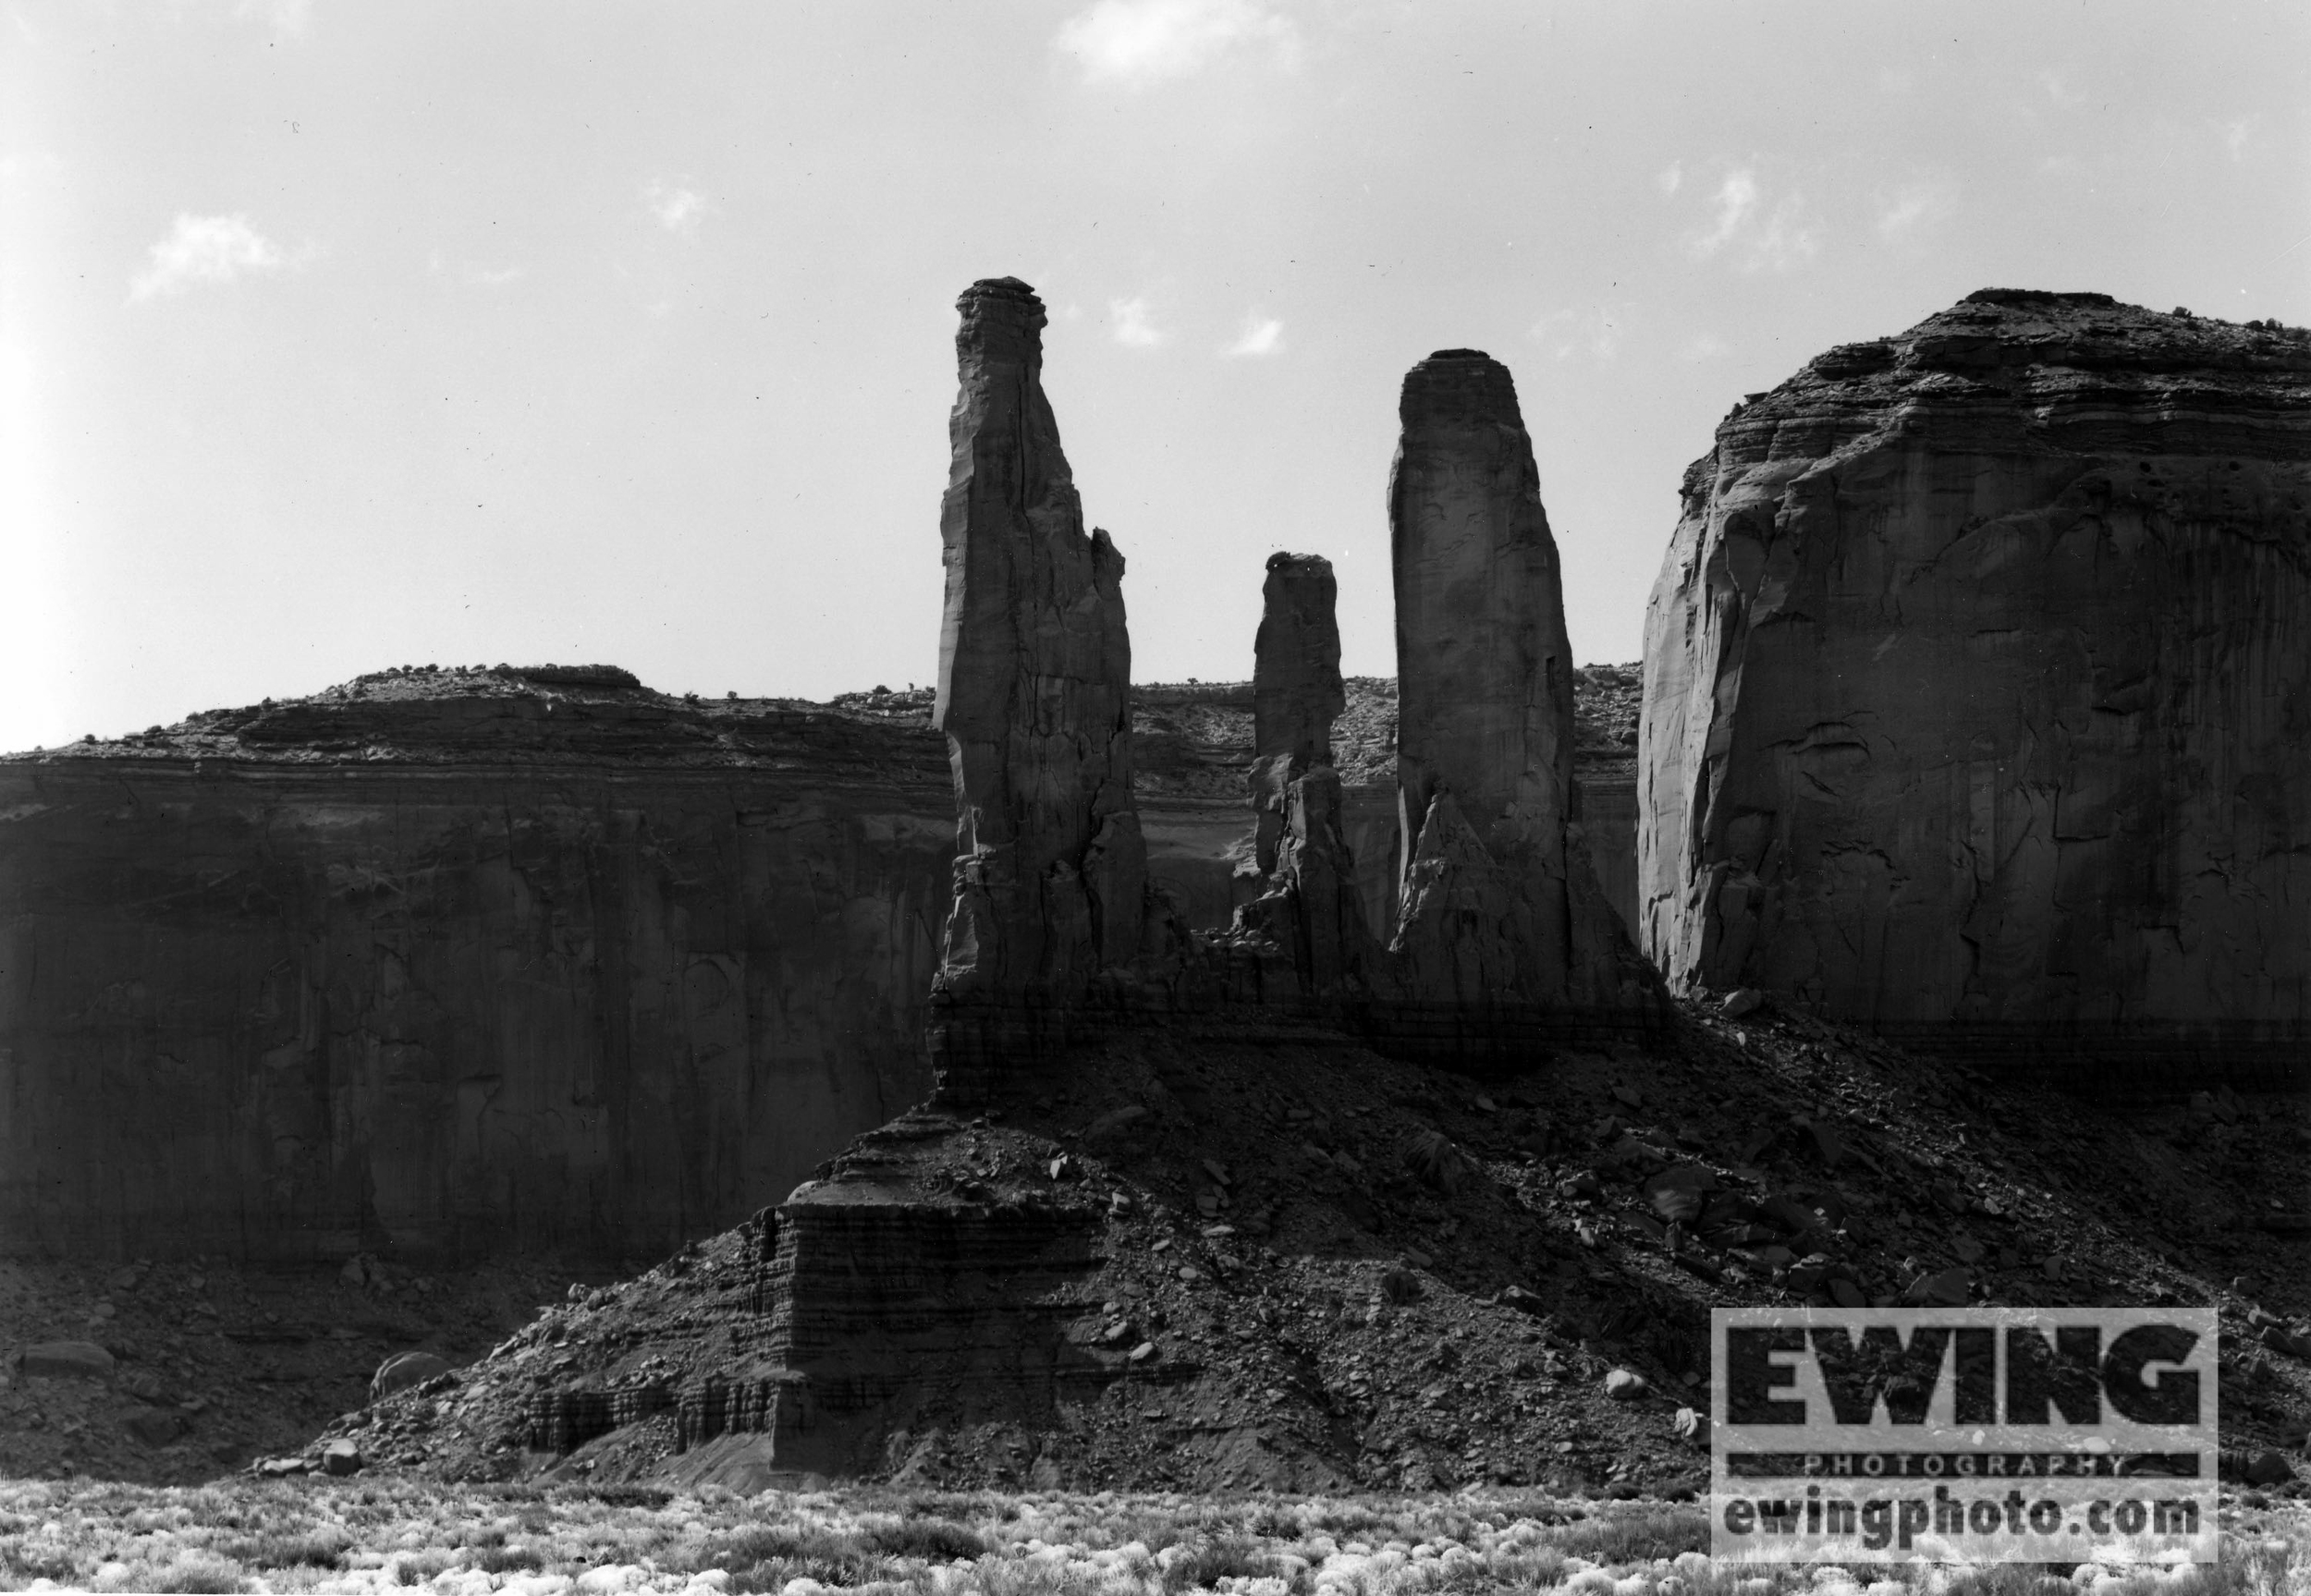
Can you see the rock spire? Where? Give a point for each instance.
(1033, 688)
(1296, 688)
(1301, 845)
(1484, 695)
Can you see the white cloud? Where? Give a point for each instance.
(1140, 41)
(206, 249)
(494, 277)
(1131, 323)
(1707, 347)
(1595, 332)
(678, 207)
(1754, 232)
(288, 17)
(1736, 198)
(2060, 89)
(1914, 205)
(1260, 336)
(1671, 177)
(2235, 134)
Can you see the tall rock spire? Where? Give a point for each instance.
(1301, 845)
(1490, 919)
(1033, 688)
(1485, 672)
(1296, 688)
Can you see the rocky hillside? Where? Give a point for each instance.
(1274, 1259)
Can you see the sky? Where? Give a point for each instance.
(337, 336)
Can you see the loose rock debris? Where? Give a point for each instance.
(1339, 1312)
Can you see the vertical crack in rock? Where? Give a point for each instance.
(1975, 690)
(1034, 696)
(1494, 929)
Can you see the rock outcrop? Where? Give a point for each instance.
(751, 890)
(1314, 907)
(1501, 932)
(1296, 688)
(456, 963)
(1976, 690)
(1034, 697)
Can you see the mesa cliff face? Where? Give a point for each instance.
(1976, 693)
(448, 965)
(467, 961)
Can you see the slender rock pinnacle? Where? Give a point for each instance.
(1033, 687)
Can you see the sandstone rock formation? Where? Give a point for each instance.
(1500, 924)
(1034, 691)
(1296, 688)
(456, 963)
(1976, 688)
(1313, 908)
(530, 853)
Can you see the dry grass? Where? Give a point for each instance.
(398, 1534)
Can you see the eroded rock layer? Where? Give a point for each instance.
(1976, 688)
(330, 974)
(414, 970)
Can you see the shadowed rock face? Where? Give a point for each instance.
(1976, 691)
(1296, 688)
(1490, 918)
(1312, 908)
(1035, 687)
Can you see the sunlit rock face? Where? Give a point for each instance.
(1978, 686)
(1491, 920)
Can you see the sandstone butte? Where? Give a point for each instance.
(904, 1282)
(1975, 691)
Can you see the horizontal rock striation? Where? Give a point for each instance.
(1976, 689)
(753, 890)
(505, 968)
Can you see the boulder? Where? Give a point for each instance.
(68, 1360)
(404, 1369)
(341, 1456)
(1974, 689)
(1626, 1385)
(1438, 1162)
